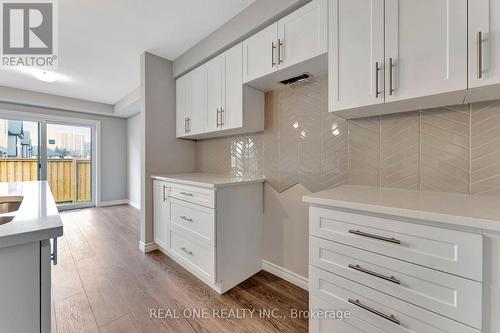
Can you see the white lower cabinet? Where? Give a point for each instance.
(393, 275)
(215, 233)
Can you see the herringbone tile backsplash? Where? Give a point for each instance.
(451, 149)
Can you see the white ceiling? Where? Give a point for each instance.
(100, 42)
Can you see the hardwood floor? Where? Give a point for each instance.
(103, 283)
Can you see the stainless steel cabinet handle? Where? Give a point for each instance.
(183, 249)
(273, 56)
(185, 125)
(382, 238)
(164, 196)
(185, 218)
(479, 55)
(367, 271)
(391, 66)
(53, 255)
(280, 51)
(186, 194)
(189, 125)
(377, 69)
(217, 117)
(378, 313)
(222, 116)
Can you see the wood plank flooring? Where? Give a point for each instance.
(103, 283)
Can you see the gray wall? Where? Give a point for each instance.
(252, 19)
(134, 160)
(161, 152)
(113, 149)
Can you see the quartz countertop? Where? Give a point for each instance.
(208, 180)
(450, 208)
(37, 218)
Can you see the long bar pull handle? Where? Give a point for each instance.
(222, 116)
(164, 196)
(183, 249)
(369, 272)
(479, 55)
(391, 67)
(185, 124)
(376, 312)
(217, 117)
(382, 238)
(186, 194)
(280, 51)
(185, 218)
(377, 69)
(53, 255)
(273, 54)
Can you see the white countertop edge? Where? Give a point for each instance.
(201, 183)
(31, 236)
(457, 220)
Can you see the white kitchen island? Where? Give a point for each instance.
(29, 219)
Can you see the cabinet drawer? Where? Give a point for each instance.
(199, 259)
(197, 195)
(381, 310)
(321, 323)
(446, 294)
(452, 251)
(196, 219)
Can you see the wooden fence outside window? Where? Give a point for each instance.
(69, 179)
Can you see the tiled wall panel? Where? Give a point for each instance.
(451, 149)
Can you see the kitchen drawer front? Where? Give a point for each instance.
(200, 259)
(353, 324)
(452, 251)
(379, 309)
(446, 294)
(197, 195)
(196, 219)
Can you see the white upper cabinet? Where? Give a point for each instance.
(212, 100)
(214, 92)
(300, 36)
(260, 53)
(231, 116)
(303, 34)
(357, 64)
(484, 50)
(425, 48)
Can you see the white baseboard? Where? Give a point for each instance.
(286, 274)
(145, 248)
(114, 203)
(136, 205)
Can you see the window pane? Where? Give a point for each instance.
(18, 150)
(69, 163)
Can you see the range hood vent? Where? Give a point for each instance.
(297, 80)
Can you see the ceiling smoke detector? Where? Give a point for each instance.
(297, 80)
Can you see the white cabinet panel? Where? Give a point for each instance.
(198, 100)
(426, 45)
(161, 213)
(302, 35)
(484, 50)
(183, 103)
(214, 92)
(232, 111)
(260, 53)
(356, 56)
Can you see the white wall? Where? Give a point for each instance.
(113, 149)
(161, 152)
(134, 160)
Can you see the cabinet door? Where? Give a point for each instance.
(356, 54)
(303, 34)
(260, 53)
(214, 93)
(426, 45)
(232, 110)
(484, 40)
(198, 101)
(161, 214)
(183, 104)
